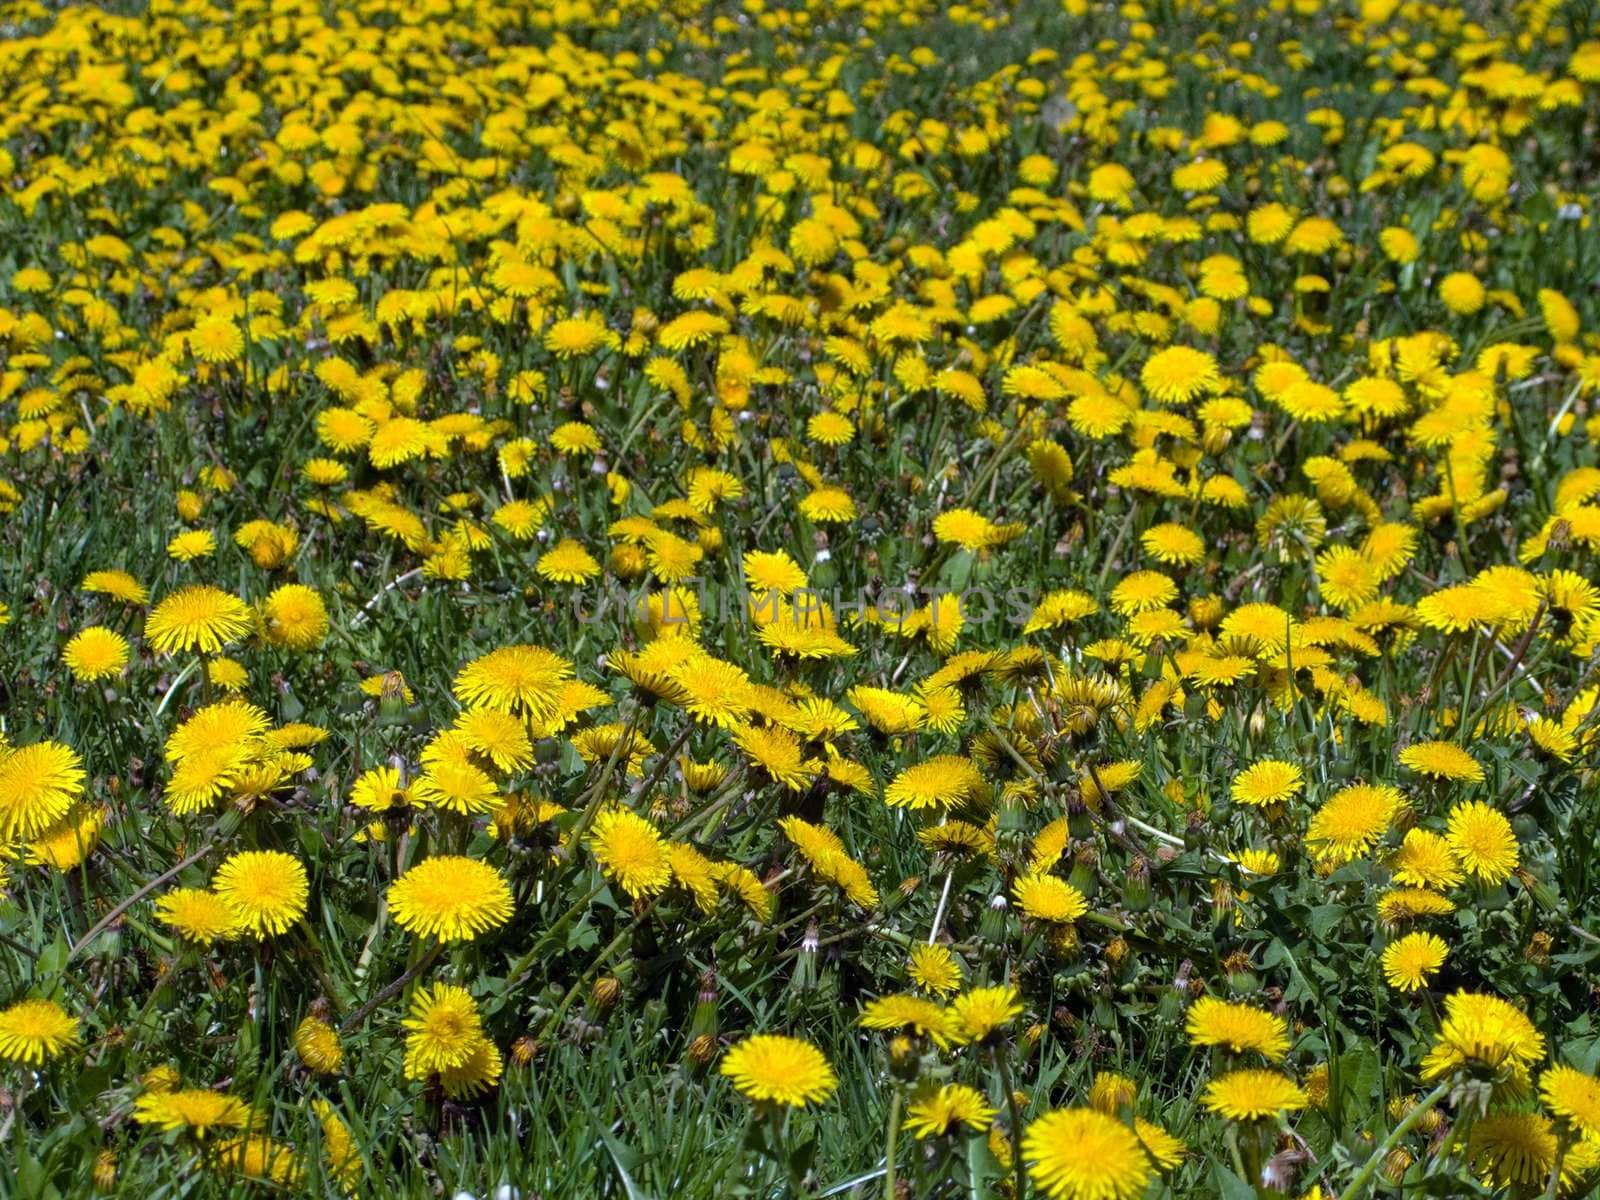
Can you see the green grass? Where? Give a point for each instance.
(619, 1094)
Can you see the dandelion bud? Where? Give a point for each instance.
(992, 925)
(1084, 875)
(105, 1170)
(903, 1057)
(805, 963)
(523, 1050)
(1222, 897)
(1396, 1164)
(1116, 951)
(1316, 1085)
(164, 1078)
(1282, 1169)
(1136, 885)
(1539, 947)
(702, 1049)
(607, 991)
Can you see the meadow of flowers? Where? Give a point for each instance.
(673, 598)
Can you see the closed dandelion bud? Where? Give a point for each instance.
(1539, 947)
(703, 1019)
(1136, 885)
(1013, 820)
(1030, 1038)
(702, 1049)
(1222, 898)
(105, 1170)
(1064, 938)
(1170, 1006)
(1316, 1085)
(607, 991)
(1432, 1121)
(1543, 894)
(523, 1050)
(1084, 874)
(1396, 1164)
(992, 925)
(710, 539)
(1280, 1172)
(1000, 1146)
(903, 1057)
(1116, 951)
(1215, 439)
(567, 204)
(805, 963)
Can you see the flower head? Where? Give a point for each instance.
(1253, 1095)
(198, 915)
(1573, 1095)
(200, 618)
(1216, 1022)
(265, 890)
(1269, 781)
(38, 784)
(95, 653)
(980, 1013)
(952, 1106)
(1482, 1030)
(450, 897)
(443, 1028)
(1409, 961)
(1083, 1154)
(776, 1069)
(192, 1110)
(631, 851)
(34, 1030)
(295, 617)
(1483, 842)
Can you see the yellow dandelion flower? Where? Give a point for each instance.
(775, 1069)
(631, 852)
(32, 1031)
(266, 890)
(1083, 1154)
(451, 897)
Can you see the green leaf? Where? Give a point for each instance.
(1229, 1186)
(1360, 1078)
(1325, 918)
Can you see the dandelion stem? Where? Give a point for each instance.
(891, 1137)
(106, 921)
(392, 988)
(1015, 1112)
(1377, 1157)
